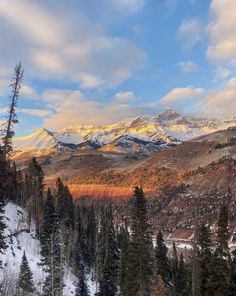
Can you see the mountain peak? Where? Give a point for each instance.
(168, 114)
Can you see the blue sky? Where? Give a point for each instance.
(97, 62)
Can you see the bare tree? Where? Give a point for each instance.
(8, 131)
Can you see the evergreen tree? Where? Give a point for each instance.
(36, 189)
(48, 227)
(219, 278)
(181, 278)
(84, 243)
(65, 205)
(140, 267)
(25, 281)
(205, 256)
(174, 269)
(124, 241)
(162, 262)
(81, 286)
(222, 248)
(109, 258)
(91, 236)
(53, 285)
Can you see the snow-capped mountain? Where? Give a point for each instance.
(140, 134)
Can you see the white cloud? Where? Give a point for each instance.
(220, 103)
(222, 73)
(222, 47)
(190, 32)
(29, 92)
(89, 81)
(35, 112)
(188, 66)
(17, 13)
(56, 43)
(71, 107)
(180, 94)
(126, 96)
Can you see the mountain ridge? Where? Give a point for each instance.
(145, 134)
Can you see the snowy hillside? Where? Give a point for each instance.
(144, 134)
(15, 220)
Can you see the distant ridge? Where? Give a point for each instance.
(141, 134)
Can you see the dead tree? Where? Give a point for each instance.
(8, 131)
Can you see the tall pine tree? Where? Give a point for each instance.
(140, 267)
(36, 190)
(162, 261)
(81, 286)
(54, 263)
(65, 205)
(205, 256)
(219, 278)
(48, 227)
(109, 257)
(25, 284)
(124, 241)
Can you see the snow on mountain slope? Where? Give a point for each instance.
(15, 220)
(168, 127)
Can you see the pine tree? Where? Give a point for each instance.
(36, 190)
(91, 236)
(124, 242)
(140, 267)
(65, 205)
(65, 210)
(48, 226)
(81, 286)
(83, 229)
(174, 269)
(109, 258)
(7, 134)
(222, 248)
(12, 118)
(25, 281)
(162, 262)
(219, 278)
(53, 284)
(205, 256)
(181, 278)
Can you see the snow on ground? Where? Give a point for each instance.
(16, 221)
